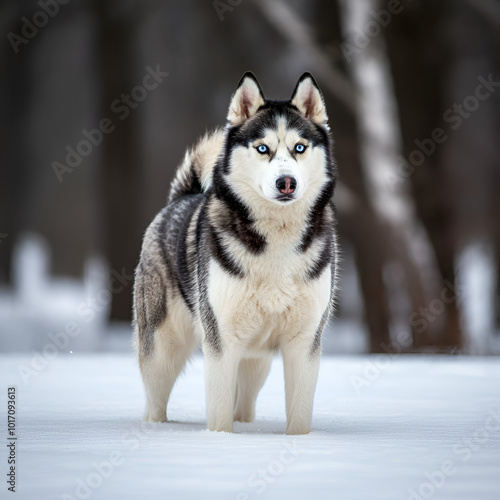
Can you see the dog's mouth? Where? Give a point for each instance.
(285, 197)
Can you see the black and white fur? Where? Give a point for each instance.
(243, 259)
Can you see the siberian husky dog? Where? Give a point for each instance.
(243, 259)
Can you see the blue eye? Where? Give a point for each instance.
(300, 148)
(262, 149)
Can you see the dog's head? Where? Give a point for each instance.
(279, 151)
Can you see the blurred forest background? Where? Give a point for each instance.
(92, 128)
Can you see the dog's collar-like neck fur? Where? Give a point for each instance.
(264, 217)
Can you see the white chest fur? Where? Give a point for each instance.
(269, 302)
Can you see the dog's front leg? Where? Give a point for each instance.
(221, 370)
(301, 366)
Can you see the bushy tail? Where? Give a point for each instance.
(194, 173)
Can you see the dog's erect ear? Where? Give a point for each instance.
(308, 99)
(246, 100)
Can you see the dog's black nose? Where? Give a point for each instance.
(286, 185)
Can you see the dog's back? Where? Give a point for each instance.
(160, 278)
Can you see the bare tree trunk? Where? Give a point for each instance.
(359, 223)
(404, 240)
(417, 51)
(15, 101)
(479, 23)
(120, 150)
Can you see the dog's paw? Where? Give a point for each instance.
(295, 430)
(244, 417)
(221, 428)
(156, 416)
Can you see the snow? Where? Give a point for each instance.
(383, 428)
(476, 271)
(39, 305)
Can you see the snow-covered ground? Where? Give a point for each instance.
(384, 428)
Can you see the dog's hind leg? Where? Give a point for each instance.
(252, 373)
(159, 377)
(161, 369)
(174, 342)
